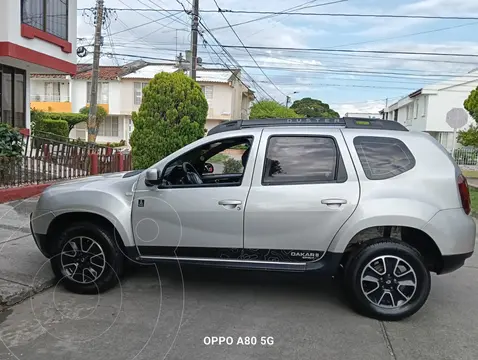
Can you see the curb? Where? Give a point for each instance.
(21, 192)
(14, 293)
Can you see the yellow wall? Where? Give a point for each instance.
(104, 106)
(51, 106)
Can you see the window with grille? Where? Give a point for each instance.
(109, 127)
(138, 92)
(102, 94)
(208, 91)
(50, 16)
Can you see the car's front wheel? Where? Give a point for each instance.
(87, 259)
(387, 280)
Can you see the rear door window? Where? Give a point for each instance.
(383, 157)
(300, 160)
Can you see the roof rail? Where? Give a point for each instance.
(348, 123)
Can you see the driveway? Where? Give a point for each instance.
(176, 313)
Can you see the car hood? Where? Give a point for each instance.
(98, 182)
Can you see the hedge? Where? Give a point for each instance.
(71, 118)
(53, 129)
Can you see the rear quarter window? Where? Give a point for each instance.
(383, 157)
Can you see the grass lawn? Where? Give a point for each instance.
(474, 200)
(218, 158)
(471, 174)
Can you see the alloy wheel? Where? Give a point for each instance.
(82, 260)
(388, 281)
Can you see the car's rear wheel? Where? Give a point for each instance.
(87, 259)
(387, 280)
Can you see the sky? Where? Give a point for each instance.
(348, 82)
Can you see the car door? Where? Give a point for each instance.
(303, 190)
(200, 221)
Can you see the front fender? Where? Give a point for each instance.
(111, 206)
(382, 212)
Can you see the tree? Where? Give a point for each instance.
(101, 114)
(308, 107)
(172, 114)
(268, 109)
(469, 137)
(471, 104)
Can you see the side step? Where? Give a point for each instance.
(229, 263)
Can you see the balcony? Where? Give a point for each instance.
(50, 103)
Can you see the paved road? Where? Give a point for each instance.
(170, 312)
(151, 317)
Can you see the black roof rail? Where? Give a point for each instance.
(348, 123)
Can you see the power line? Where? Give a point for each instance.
(168, 11)
(333, 55)
(393, 16)
(406, 35)
(141, 25)
(349, 51)
(295, 8)
(252, 57)
(228, 54)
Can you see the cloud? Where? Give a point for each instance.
(370, 106)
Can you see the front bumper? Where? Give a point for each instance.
(40, 239)
(453, 262)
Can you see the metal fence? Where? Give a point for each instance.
(45, 159)
(465, 156)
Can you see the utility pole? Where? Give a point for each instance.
(287, 100)
(94, 79)
(194, 38)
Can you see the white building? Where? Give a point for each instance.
(120, 93)
(34, 38)
(426, 108)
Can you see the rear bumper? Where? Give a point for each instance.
(453, 262)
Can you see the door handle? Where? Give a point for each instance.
(230, 202)
(334, 202)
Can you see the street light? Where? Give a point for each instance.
(287, 99)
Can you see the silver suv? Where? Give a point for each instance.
(364, 199)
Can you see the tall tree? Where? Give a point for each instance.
(172, 114)
(309, 107)
(268, 109)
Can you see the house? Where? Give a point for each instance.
(364, 115)
(120, 91)
(228, 98)
(36, 37)
(425, 109)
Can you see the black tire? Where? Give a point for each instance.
(113, 269)
(395, 249)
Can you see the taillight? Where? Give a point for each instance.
(464, 193)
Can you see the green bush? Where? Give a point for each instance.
(114, 144)
(71, 118)
(232, 166)
(52, 129)
(11, 141)
(101, 114)
(172, 114)
(268, 109)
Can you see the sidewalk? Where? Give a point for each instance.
(24, 271)
(473, 183)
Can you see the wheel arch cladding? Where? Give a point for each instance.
(416, 238)
(61, 222)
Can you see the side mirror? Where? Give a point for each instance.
(152, 177)
(208, 168)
